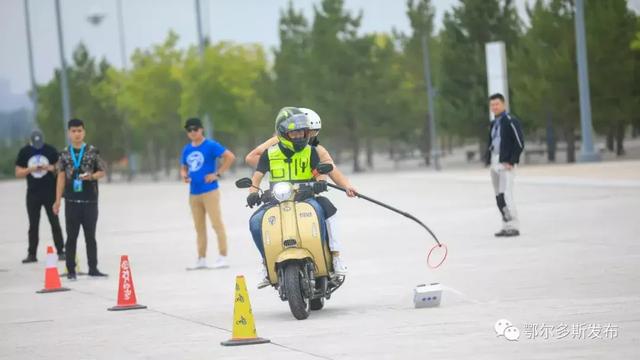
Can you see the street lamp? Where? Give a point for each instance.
(207, 120)
(64, 84)
(95, 18)
(586, 150)
(34, 88)
(432, 104)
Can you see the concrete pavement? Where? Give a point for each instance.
(577, 264)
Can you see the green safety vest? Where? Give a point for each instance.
(297, 168)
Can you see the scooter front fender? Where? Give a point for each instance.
(293, 254)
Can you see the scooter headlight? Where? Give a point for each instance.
(282, 191)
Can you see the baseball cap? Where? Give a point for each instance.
(37, 139)
(193, 122)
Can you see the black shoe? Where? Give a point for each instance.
(501, 233)
(97, 273)
(511, 232)
(62, 256)
(29, 259)
(71, 276)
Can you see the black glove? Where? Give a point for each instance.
(319, 187)
(253, 199)
(303, 194)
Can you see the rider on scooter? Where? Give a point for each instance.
(291, 159)
(315, 125)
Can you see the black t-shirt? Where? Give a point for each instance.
(41, 182)
(263, 163)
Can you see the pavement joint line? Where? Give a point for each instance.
(461, 294)
(301, 351)
(28, 322)
(178, 317)
(229, 331)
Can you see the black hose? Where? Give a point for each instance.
(392, 209)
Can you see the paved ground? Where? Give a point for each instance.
(576, 264)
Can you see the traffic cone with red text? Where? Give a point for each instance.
(126, 292)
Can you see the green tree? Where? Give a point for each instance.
(150, 95)
(463, 84)
(291, 61)
(104, 125)
(337, 59)
(611, 62)
(224, 84)
(421, 14)
(544, 71)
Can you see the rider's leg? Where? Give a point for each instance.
(331, 222)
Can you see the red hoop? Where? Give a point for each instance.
(446, 251)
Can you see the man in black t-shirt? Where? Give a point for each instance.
(36, 162)
(79, 169)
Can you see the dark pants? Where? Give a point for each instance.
(35, 202)
(85, 214)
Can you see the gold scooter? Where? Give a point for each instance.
(297, 256)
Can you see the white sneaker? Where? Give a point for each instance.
(264, 276)
(221, 262)
(201, 263)
(338, 266)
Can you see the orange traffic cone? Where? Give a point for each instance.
(244, 328)
(126, 292)
(51, 277)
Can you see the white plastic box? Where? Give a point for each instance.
(427, 295)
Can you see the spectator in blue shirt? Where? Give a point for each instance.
(200, 171)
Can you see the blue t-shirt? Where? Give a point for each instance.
(200, 161)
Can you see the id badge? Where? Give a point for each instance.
(77, 185)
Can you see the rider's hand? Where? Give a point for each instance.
(319, 187)
(253, 199)
(351, 191)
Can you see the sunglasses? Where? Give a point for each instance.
(192, 129)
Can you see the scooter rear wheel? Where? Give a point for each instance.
(293, 285)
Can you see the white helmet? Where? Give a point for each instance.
(314, 119)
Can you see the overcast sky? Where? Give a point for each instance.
(148, 21)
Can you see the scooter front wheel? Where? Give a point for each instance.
(298, 304)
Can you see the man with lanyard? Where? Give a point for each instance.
(506, 142)
(200, 170)
(36, 162)
(315, 125)
(79, 169)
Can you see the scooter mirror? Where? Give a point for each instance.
(243, 183)
(325, 168)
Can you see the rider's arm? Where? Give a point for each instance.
(325, 157)
(336, 175)
(261, 169)
(254, 156)
(256, 179)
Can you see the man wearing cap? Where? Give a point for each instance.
(36, 162)
(199, 169)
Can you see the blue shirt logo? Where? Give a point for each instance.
(195, 160)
